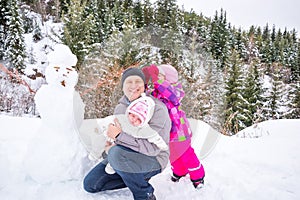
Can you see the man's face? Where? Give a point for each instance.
(133, 87)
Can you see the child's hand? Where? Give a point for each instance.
(113, 130)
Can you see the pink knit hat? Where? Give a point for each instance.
(169, 72)
(143, 107)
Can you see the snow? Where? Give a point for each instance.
(261, 162)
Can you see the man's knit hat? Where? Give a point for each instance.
(170, 73)
(143, 107)
(132, 72)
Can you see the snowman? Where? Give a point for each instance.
(55, 153)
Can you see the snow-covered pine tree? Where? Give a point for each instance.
(5, 11)
(292, 54)
(79, 27)
(240, 43)
(14, 44)
(266, 47)
(275, 97)
(293, 101)
(251, 93)
(233, 107)
(219, 42)
(147, 14)
(169, 21)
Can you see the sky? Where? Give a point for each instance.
(244, 13)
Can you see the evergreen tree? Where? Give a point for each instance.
(167, 15)
(233, 110)
(137, 11)
(293, 57)
(96, 7)
(258, 40)
(251, 93)
(277, 44)
(219, 43)
(147, 14)
(275, 98)
(168, 35)
(266, 49)
(14, 42)
(107, 23)
(294, 101)
(127, 47)
(4, 16)
(118, 15)
(79, 28)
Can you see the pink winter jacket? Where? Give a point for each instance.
(171, 95)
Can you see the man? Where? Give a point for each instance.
(135, 160)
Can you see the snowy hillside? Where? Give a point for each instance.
(261, 162)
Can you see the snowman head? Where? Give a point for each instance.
(61, 72)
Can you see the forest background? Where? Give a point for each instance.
(233, 78)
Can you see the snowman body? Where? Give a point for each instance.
(56, 153)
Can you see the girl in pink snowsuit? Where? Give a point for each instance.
(182, 156)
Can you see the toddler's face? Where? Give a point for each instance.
(134, 119)
(161, 77)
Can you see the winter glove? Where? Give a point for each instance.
(150, 72)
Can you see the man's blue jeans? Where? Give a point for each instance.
(133, 170)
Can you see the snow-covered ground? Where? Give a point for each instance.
(261, 162)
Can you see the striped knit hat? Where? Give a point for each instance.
(143, 107)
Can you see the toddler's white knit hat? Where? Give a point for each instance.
(143, 107)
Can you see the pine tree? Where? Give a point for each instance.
(219, 43)
(137, 10)
(166, 13)
(277, 50)
(14, 42)
(294, 101)
(147, 14)
(234, 111)
(275, 98)
(4, 15)
(293, 57)
(107, 23)
(79, 28)
(266, 49)
(251, 93)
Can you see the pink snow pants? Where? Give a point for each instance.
(184, 160)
